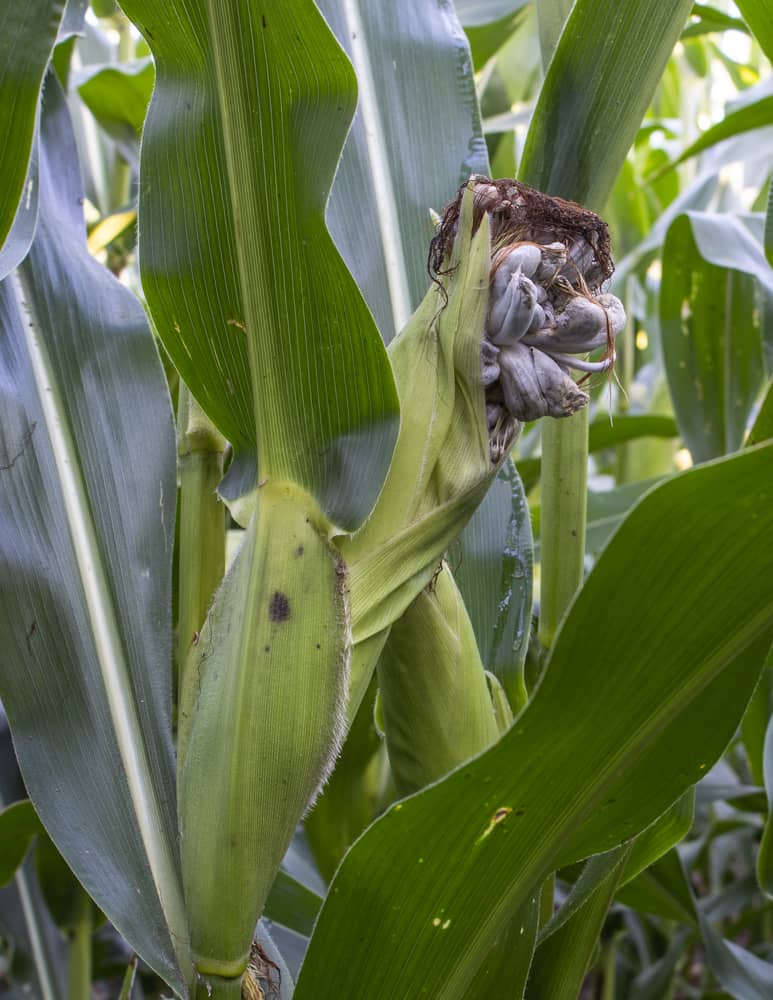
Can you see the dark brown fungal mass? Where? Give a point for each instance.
(279, 607)
(520, 213)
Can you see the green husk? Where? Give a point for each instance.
(435, 702)
(441, 468)
(271, 668)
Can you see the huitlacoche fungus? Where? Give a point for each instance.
(549, 261)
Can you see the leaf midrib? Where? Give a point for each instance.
(105, 633)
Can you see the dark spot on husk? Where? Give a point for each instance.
(279, 607)
(299, 550)
(266, 649)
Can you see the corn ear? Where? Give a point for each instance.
(441, 467)
(271, 665)
(435, 703)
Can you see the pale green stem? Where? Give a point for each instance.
(79, 950)
(625, 375)
(563, 518)
(120, 179)
(200, 449)
(215, 988)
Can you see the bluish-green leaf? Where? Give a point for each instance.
(87, 512)
(247, 291)
(415, 138)
(476, 12)
(493, 569)
(711, 329)
(28, 32)
(601, 79)
(765, 855)
(605, 745)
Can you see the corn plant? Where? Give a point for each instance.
(299, 356)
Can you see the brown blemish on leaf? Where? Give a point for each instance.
(238, 324)
(22, 448)
(279, 607)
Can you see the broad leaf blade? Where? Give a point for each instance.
(601, 750)
(601, 78)
(87, 515)
(28, 32)
(238, 267)
(711, 329)
(415, 138)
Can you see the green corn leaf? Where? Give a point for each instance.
(751, 116)
(601, 79)
(658, 839)
(415, 138)
(28, 33)
(633, 735)
(240, 273)
(663, 890)
(86, 533)
(118, 97)
(742, 973)
(562, 958)
(765, 855)
(759, 17)
(506, 968)
(712, 329)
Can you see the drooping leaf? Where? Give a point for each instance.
(253, 303)
(711, 329)
(663, 890)
(706, 18)
(87, 514)
(658, 839)
(757, 115)
(601, 750)
(28, 32)
(562, 959)
(118, 97)
(743, 974)
(415, 138)
(595, 95)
